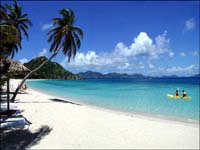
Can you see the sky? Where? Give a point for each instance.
(152, 38)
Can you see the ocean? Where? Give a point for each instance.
(145, 96)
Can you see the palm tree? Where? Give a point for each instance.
(9, 34)
(13, 16)
(9, 37)
(63, 36)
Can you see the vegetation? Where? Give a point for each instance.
(51, 70)
(13, 22)
(63, 36)
(9, 36)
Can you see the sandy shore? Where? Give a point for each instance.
(79, 126)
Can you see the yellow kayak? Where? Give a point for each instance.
(179, 97)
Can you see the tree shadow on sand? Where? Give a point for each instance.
(22, 139)
(63, 101)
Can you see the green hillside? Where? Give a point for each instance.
(50, 70)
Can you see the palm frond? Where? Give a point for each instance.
(12, 15)
(78, 41)
(64, 34)
(78, 31)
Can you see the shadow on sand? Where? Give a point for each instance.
(63, 101)
(22, 139)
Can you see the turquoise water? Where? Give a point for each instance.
(129, 95)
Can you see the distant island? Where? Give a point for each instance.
(98, 75)
(51, 70)
(91, 74)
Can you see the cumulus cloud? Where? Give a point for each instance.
(189, 24)
(90, 58)
(23, 60)
(182, 54)
(137, 56)
(144, 45)
(43, 52)
(46, 26)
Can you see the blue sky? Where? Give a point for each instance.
(152, 38)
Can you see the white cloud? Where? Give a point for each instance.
(162, 43)
(121, 56)
(23, 60)
(43, 52)
(151, 66)
(171, 54)
(143, 45)
(124, 66)
(46, 26)
(137, 57)
(177, 69)
(182, 54)
(90, 58)
(189, 24)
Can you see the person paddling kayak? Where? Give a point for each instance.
(176, 93)
(184, 93)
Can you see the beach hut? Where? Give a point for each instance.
(9, 68)
(15, 67)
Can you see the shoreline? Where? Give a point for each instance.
(86, 127)
(153, 117)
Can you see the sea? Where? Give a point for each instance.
(141, 96)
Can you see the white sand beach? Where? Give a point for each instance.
(83, 127)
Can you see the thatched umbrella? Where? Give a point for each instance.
(15, 67)
(9, 68)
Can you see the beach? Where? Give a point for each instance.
(76, 126)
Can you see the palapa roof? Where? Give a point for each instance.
(10, 66)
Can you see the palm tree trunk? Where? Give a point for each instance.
(28, 75)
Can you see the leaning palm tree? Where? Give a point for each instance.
(13, 16)
(63, 36)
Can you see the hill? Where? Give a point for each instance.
(51, 70)
(91, 74)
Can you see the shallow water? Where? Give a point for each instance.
(130, 95)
